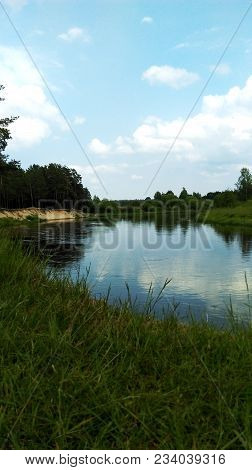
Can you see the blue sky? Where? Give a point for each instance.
(126, 74)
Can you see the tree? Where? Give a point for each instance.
(244, 184)
(183, 194)
(227, 198)
(211, 195)
(4, 165)
(158, 196)
(56, 185)
(4, 131)
(36, 184)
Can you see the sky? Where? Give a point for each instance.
(114, 88)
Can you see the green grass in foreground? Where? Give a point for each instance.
(80, 374)
(238, 215)
(9, 222)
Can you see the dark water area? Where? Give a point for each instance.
(206, 264)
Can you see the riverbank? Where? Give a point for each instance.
(238, 215)
(33, 213)
(80, 374)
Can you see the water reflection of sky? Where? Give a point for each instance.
(206, 265)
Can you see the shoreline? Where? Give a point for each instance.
(45, 215)
(238, 216)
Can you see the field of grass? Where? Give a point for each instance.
(238, 215)
(77, 373)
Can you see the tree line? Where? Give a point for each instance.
(227, 198)
(48, 185)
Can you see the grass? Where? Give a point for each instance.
(238, 215)
(9, 222)
(6, 222)
(77, 373)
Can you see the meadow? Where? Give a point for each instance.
(240, 214)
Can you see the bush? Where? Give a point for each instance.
(226, 199)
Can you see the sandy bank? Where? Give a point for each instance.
(45, 214)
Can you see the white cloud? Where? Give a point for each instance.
(173, 77)
(222, 69)
(25, 96)
(221, 133)
(74, 34)
(182, 45)
(38, 32)
(104, 170)
(122, 146)
(136, 177)
(156, 135)
(79, 120)
(98, 147)
(89, 170)
(147, 19)
(30, 130)
(16, 4)
(213, 29)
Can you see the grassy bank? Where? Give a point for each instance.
(238, 215)
(9, 222)
(80, 374)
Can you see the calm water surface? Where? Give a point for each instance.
(206, 264)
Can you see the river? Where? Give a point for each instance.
(206, 265)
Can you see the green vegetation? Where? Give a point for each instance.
(50, 185)
(233, 207)
(244, 184)
(238, 215)
(227, 198)
(77, 373)
(8, 222)
(166, 203)
(190, 204)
